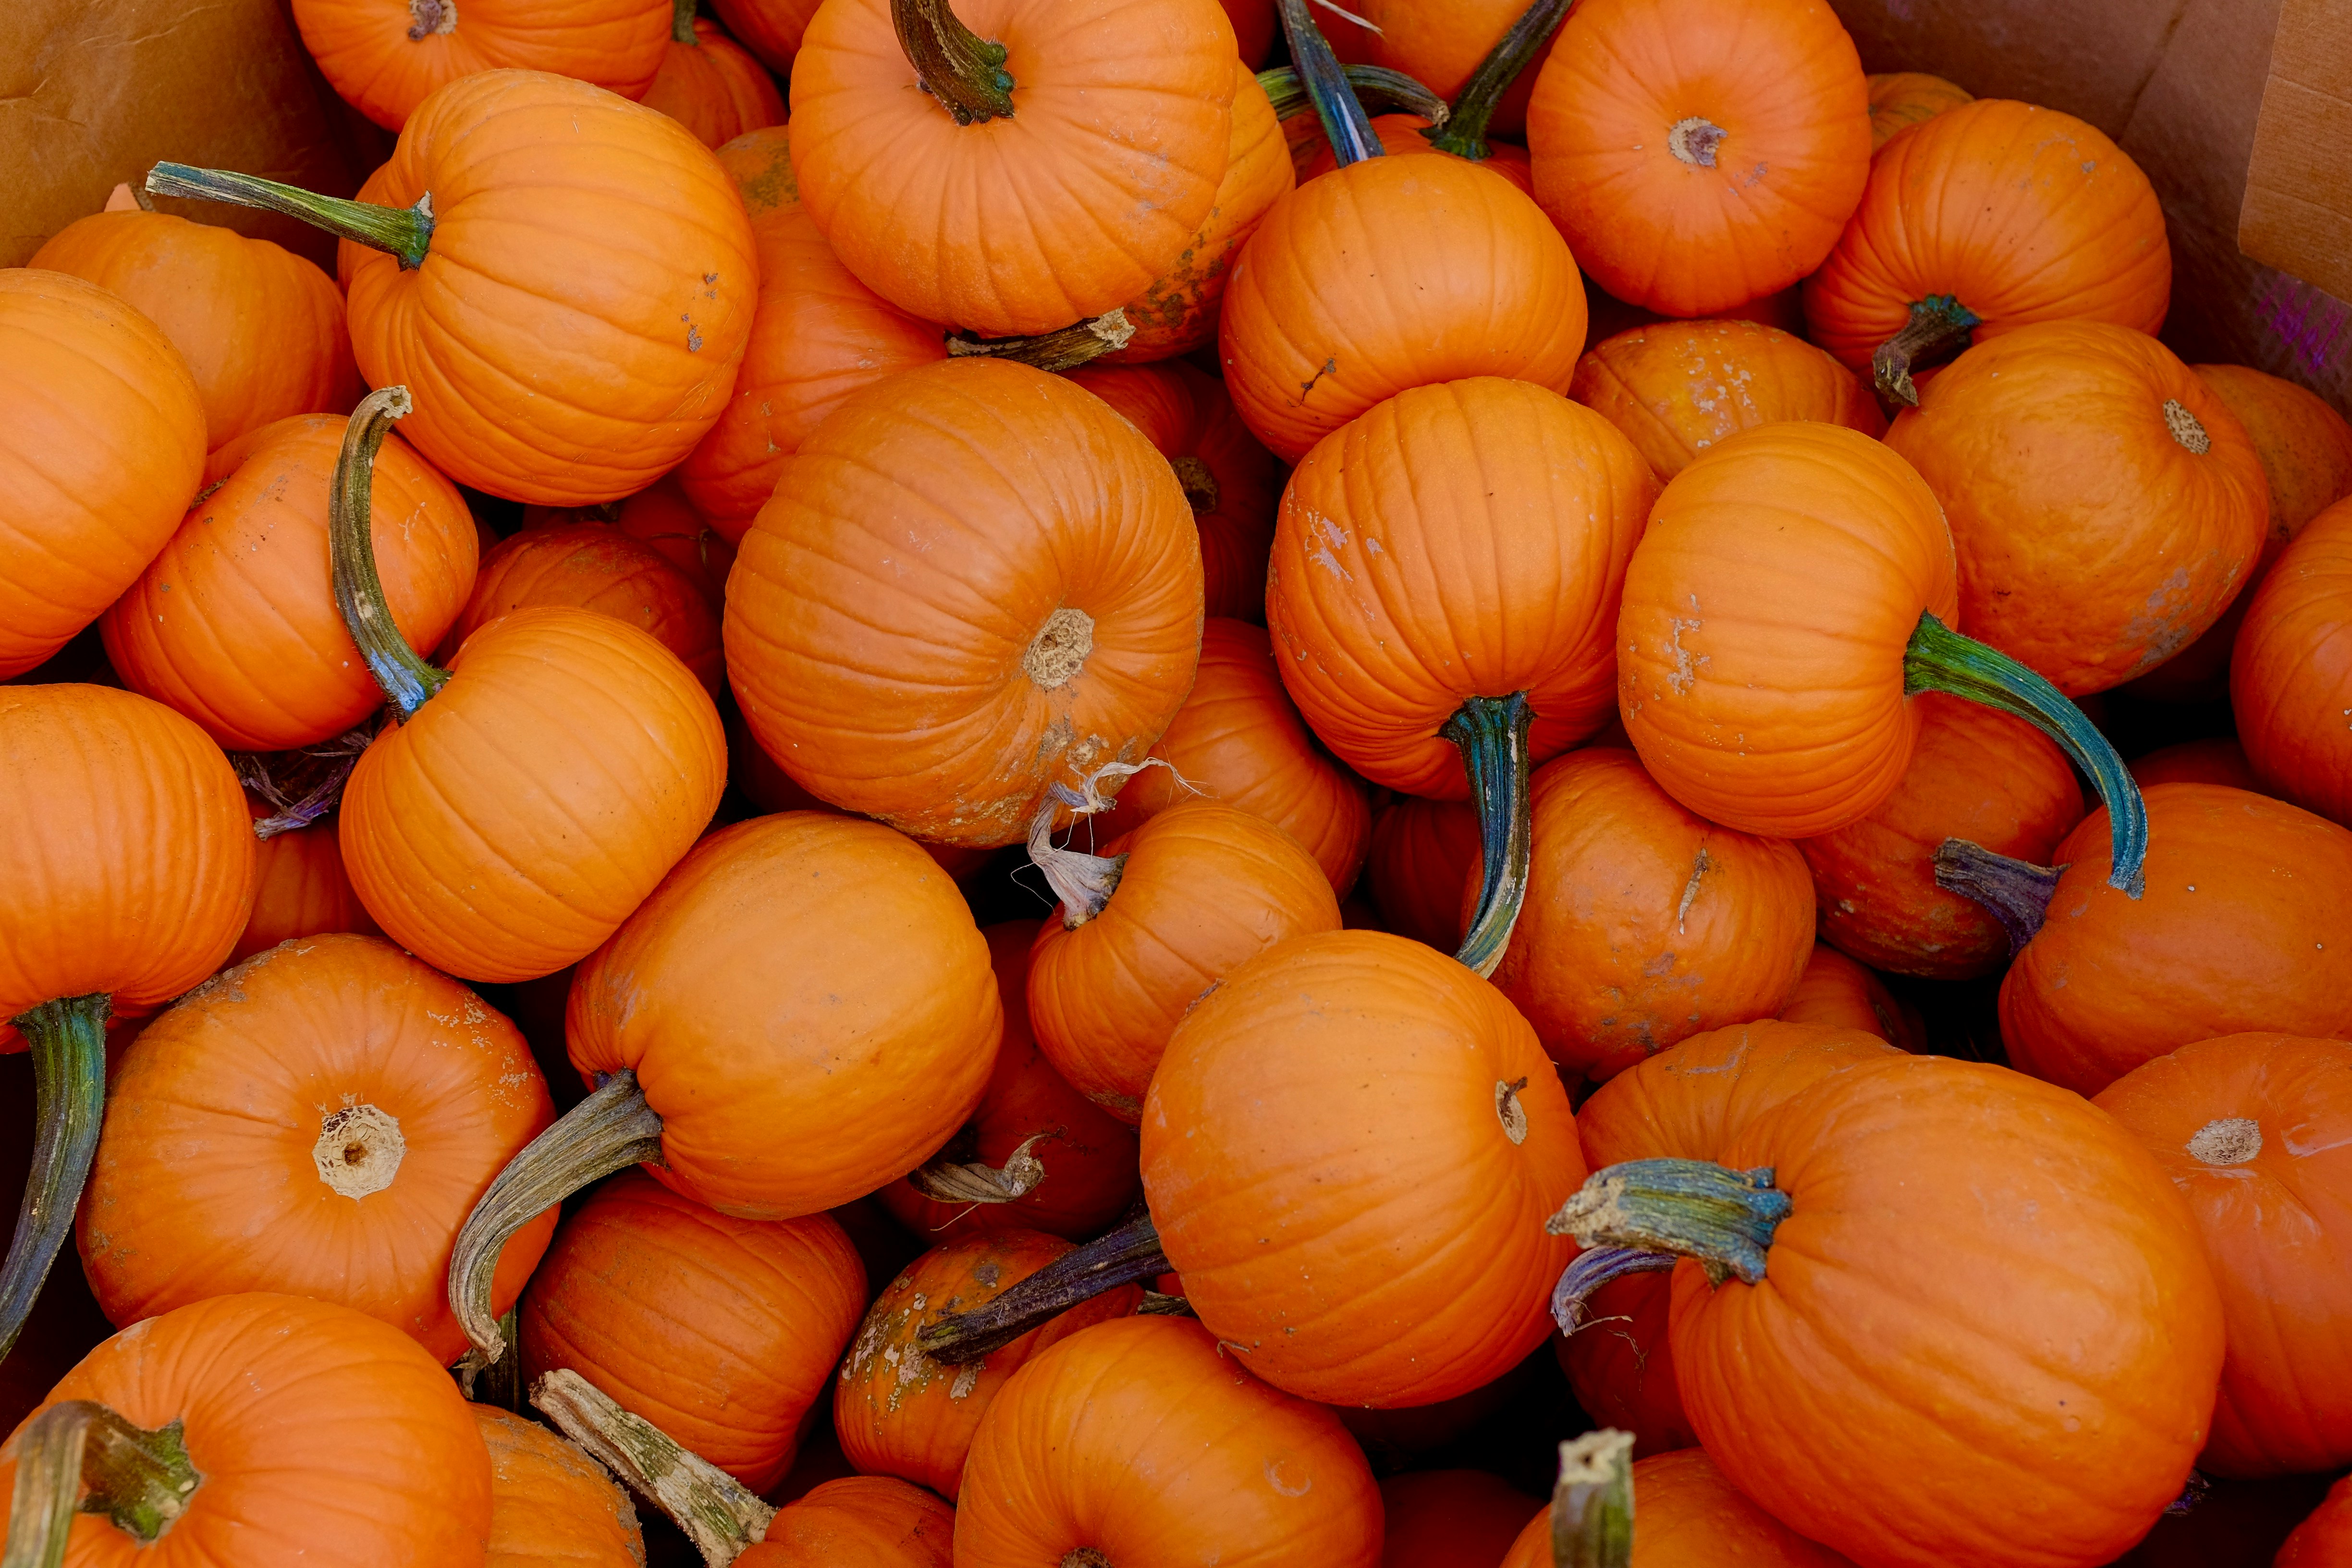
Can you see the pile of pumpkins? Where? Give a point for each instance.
(632, 641)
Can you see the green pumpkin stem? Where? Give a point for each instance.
(1118, 1257)
(1345, 124)
(1939, 328)
(406, 680)
(610, 1130)
(1492, 732)
(1592, 1268)
(1377, 88)
(406, 232)
(1463, 132)
(681, 24)
(2017, 892)
(718, 1513)
(140, 1480)
(955, 65)
(1940, 659)
(1063, 348)
(1593, 1501)
(68, 1040)
(1691, 1209)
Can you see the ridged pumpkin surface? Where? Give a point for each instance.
(1900, 99)
(1687, 1515)
(599, 568)
(1421, 851)
(714, 88)
(2290, 673)
(858, 1522)
(385, 57)
(299, 888)
(551, 1505)
(1837, 991)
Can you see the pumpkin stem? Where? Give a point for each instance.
(1692, 1208)
(1463, 132)
(1063, 348)
(1940, 659)
(1939, 328)
(1083, 882)
(1592, 1268)
(302, 785)
(140, 1480)
(67, 1039)
(1345, 124)
(948, 1181)
(406, 232)
(681, 24)
(500, 1384)
(1118, 1257)
(715, 1511)
(1373, 85)
(2017, 892)
(1592, 1502)
(405, 680)
(610, 1130)
(1492, 732)
(964, 71)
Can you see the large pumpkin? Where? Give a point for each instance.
(386, 56)
(597, 568)
(2291, 672)
(551, 1505)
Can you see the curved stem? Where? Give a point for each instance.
(1463, 134)
(1939, 328)
(1940, 659)
(947, 1181)
(1083, 882)
(406, 232)
(1063, 348)
(610, 1130)
(1120, 1257)
(303, 785)
(1345, 124)
(67, 1039)
(1376, 88)
(140, 1480)
(717, 1513)
(681, 24)
(1492, 732)
(964, 71)
(1592, 1268)
(406, 680)
(2017, 892)
(1692, 1208)
(1592, 1502)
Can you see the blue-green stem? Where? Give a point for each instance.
(406, 680)
(1373, 85)
(68, 1040)
(1491, 733)
(1592, 1268)
(80, 1457)
(1939, 327)
(1692, 1208)
(406, 232)
(1345, 124)
(1463, 132)
(955, 65)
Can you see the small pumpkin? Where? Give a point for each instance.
(2218, 760)
(1419, 852)
(589, 567)
(386, 56)
(1900, 99)
(1449, 1519)
(299, 888)
(551, 1505)
(663, 518)
(1444, 47)
(770, 29)
(2291, 672)
(712, 84)
(1667, 1510)
(766, 785)
(1837, 991)
(1410, 136)
(858, 1522)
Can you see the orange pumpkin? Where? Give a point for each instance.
(2290, 673)
(663, 518)
(299, 888)
(712, 84)
(601, 569)
(1900, 99)
(770, 29)
(1449, 1519)
(1686, 1514)
(550, 1505)
(766, 785)
(234, 623)
(1419, 854)
(975, 582)
(2325, 1539)
(857, 1521)
(2219, 760)
(1408, 136)
(261, 330)
(386, 56)
(104, 450)
(1840, 994)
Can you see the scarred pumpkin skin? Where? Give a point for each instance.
(2104, 505)
(1698, 158)
(2241, 928)
(1366, 1089)
(770, 29)
(385, 57)
(104, 448)
(602, 569)
(720, 1331)
(714, 88)
(299, 888)
(2256, 1132)
(1644, 924)
(899, 1413)
(2291, 673)
(1421, 851)
(1837, 991)
(1977, 774)
(234, 623)
(551, 1505)
(858, 1522)
(2325, 1539)
(1687, 1514)
(1449, 1519)
(974, 582)
(2218, 760)
(262, 330)
(1242, 1473)
(1390, 274)
(1900, 99)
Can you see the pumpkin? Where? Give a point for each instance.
(2291, 673)
(254, 1430)
(1440, 591)
(1240, 1473)
(2068, 442)
(770, 29)
(134, 888)
(317, 1121)
(1410, 136)
(663, 518)
(1975, 774)
(1837, 991)
(2070, 1361)
(2256, 1132)
(464, 263)
(1922, 271)
(2218, 760)
(1165, 914)
(712, 84)
(260, 329)
(1449, 1519)
(1643, 923)
(1478, 59)
(1679, 1512)
(1793, 593)
(766, 785)
(387, 56)
(1698, 158)
(975, 582)
(1011, 206)
(899, 1413)
(2322, 1539)
(299, 888)
(589, 567)
(1229, 479)
(1900, 99)
(721, 1332)
(858, 1522)
(551, 1505)
(1414, 865)
(234, 623)
(105, 447)
(1678, 387)
(801, 1012)
(532, 793)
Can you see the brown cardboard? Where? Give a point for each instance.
(2298, 208)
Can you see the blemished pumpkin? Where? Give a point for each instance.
(1419, 854)
(1697, 158)
(2322, 1539)
(2291, 672)
(386, 56)
(2256, 1132)
(2220, 759)
(1672, 1510)
(104, 450)
(299, 888)
(589, 567)
(770, 29)
(1010, 166)
(712, 84)
(975, 582)
(317, 1120)
(551, 1505)
(1449, 1519)
(1921, 271)
(1840, 994)
(1900, 99)
(858, 1522)
(2064, 443)
(463, 263)
(1678, 387)
(248, 1431)
(132, 889)
(235, 622)
(1247, 1474)
(261, 330)
(1643, 923)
